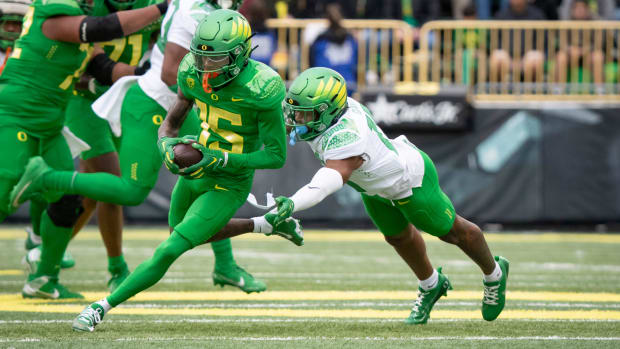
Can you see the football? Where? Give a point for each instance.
(185, 155)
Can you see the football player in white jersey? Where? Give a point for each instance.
(398, 183)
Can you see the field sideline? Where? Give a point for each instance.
(342, 289)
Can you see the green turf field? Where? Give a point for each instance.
(342, 289)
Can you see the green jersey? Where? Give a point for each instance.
(39, 76)
(240, 117)
(129, 49)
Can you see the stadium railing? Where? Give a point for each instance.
(385, 48)
(571, 60)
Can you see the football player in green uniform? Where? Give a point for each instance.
(101, 156)
(397, 181)
(11, 15)
(240, 103)
(53, 50)
(142, 109)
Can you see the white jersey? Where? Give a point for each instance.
(178, 26)
(391, 167)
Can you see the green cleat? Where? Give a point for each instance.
(290, 229)
(117, 278)
(240, 278)
(426, 300)
(29, 184)
(46, 287)
(33, 240)
(495, 292)
(33, 257)
(90, 317)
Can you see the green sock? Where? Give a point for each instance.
(116, 264)
(36, 211)
(54, 241)
(151, 270)
(222, 250)
(99, 186)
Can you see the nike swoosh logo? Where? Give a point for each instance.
(236, 99)
(403, 202)
(16, 201)
(309, 187)
(220, 188)
(54, 295)
(239, 283)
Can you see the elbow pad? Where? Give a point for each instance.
(103, 28)
(101, 67)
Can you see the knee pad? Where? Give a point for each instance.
(65, 212)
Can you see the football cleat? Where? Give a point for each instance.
(422, 307)
(494, 297)
(46, 287)
(29, 184)
(290, 229)
(240, 278)
(33, 240)
(33, 257)
(117, 278)
(90, 317)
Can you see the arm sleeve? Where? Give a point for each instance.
(273, 154)
(325, 182)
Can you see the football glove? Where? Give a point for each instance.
(285, 208)
(212, 160)
(165, 145)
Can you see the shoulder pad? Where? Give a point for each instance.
(265, 89)
(186, 77)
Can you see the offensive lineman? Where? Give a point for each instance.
(398, 183)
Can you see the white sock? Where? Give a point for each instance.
(261, 225)
(105, 305)
(495, 275)
(431, 282)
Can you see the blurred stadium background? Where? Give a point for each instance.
(517, 103)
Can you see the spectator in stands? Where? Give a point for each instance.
(501, 61)
(485, 8)
(599, 9)
(264, 39)
(580, 56)
(336, 48)
(548, 7)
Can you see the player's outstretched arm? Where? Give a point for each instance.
(79, 29)
(325, 182)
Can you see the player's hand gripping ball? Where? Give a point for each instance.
(185, 155)
(166, 147)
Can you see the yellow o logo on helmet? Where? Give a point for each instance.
(22, 136)
(203, 47)
(158, 119)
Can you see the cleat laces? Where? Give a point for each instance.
(90, 316)
(419, 301)
(491, 295)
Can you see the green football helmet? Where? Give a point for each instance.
(221, 46)
(11, 15)
(226, 4)
(316, 98)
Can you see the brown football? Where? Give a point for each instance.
(185, 155)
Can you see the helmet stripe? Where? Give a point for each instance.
(319, 90)
(336, 89)
(342, 97)
(328, 87)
